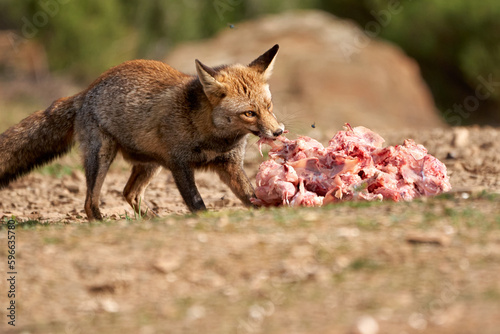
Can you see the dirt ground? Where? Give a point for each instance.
(472, 156)
(428, 266)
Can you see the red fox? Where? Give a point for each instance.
(156, 117)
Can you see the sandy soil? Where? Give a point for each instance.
(472, 156)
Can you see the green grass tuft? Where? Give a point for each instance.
(56, 170)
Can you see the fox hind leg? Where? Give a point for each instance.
(141, 175)
(99, 153)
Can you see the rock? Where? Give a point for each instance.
(72, 187)
(168, 264)
(428, 238)
(366, 325)
(322, 75)
(417, 321)
(195, 312)
(460, 137)
(109, 305)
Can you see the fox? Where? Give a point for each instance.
(156, 117)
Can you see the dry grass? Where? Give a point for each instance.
(426, 266)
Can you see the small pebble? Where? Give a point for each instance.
(367, 325)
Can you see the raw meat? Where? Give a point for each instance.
(355, 165)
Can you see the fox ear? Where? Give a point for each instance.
(207, 79)
(264, 64)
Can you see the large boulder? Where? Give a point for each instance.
(328, 72)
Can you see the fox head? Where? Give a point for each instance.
(240, 96)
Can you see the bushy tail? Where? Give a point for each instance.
(38, 139)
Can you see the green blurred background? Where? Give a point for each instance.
(455, 42)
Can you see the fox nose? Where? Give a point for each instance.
(277, 132)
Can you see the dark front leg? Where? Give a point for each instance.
(184, 179)
(231, 172)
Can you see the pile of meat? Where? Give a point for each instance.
(353, 166)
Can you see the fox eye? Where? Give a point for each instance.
(249, 114)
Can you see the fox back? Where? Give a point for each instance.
(154, 110)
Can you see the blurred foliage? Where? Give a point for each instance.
(455, 42)
(93, 35)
